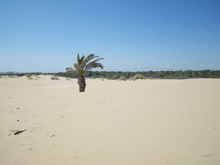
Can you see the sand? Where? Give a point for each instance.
(143, 122)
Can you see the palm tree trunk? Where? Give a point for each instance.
(82, 84)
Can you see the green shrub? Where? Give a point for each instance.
(138, 76)
(54, 78)
(29, 76)
(122, 78)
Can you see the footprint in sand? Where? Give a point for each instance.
(75, 156)
(186, 119)
(206, 155)
(208, 128)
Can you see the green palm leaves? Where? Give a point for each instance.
(84, 64)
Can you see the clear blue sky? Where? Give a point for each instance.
(132, 35)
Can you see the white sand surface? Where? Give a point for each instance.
(143, 122)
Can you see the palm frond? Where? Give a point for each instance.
(89, 65)
(95, 65)
(75, 66)
(83, 64)
(78, 59)
(81, 60)
(68, 70)
(89, 57)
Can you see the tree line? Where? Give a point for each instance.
(129, 75)
(150, 74)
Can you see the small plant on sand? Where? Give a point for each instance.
(122, 78)
(55, 77)
(84, 64)
(138, 76)
(29, 76)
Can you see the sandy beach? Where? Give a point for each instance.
(142, 122)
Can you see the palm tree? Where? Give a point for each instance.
(84, 64)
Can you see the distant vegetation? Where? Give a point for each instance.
(134, 75)
(138, 76)
(122, 78)
(148, 75)
(29, 76)
(55, 77)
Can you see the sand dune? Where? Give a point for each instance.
(155, 122)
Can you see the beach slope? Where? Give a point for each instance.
(155, 122)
